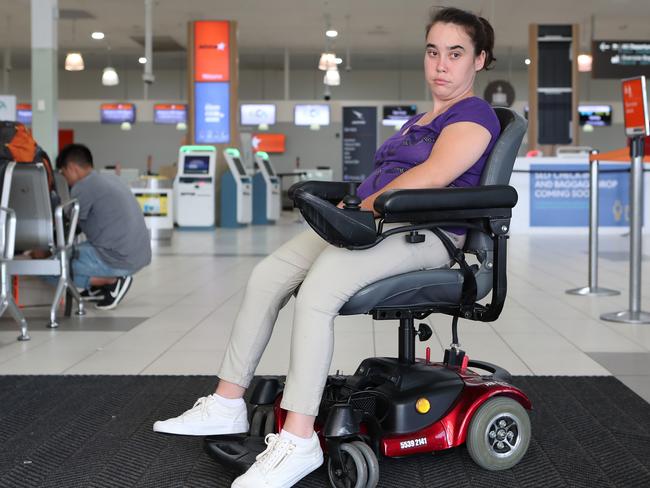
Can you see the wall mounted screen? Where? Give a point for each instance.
(257, 113)
(597, 115)
(169, 113)
(116, 113)
(397, 115)
(24, 113)
(311, 115)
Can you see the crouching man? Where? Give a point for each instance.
(117, 242)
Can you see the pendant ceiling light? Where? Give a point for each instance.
(584, 63)
(327, 60)
(332, 77)
(110, 77)
(74, 62)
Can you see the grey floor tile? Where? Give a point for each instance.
(634, 363)
(638, 384)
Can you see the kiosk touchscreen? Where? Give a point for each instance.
(266, 191)
(236, 192)
(195, 186)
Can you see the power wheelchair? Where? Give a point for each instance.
(395, 407)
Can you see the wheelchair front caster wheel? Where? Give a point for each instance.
(354, 470)
(371, 463)
(262, 422)
(499, 434)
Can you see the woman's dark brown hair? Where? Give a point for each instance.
(477, 28)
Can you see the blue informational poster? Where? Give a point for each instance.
(559, 195)
(212, 113)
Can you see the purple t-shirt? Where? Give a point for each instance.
(400, 152)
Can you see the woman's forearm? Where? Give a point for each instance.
(421, 176)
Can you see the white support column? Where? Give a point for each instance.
(45, 86)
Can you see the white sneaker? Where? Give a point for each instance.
(282, 464)
(206, 417)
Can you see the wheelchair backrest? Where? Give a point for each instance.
(29, 197)
(498, 167)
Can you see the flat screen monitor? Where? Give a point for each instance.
(116, 113)
(397, 115)
(24, 113)
(196, 165)
(311, 114)
(257, 113)
(240, 167)
(169, 113)
(600, 115)
(269, 169)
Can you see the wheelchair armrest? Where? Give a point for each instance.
(332, 191)
(446, 203)
(340, 227)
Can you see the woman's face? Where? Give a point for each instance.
(449, 61)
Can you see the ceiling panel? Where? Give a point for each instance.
(378, 33)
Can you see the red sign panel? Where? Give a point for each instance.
(635, 106)
(169, 106)
(211, 50)
(270, 143)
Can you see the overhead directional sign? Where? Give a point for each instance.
(620, 59)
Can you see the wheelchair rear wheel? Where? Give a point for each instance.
(499, 434)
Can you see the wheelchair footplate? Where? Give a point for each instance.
(237, 451)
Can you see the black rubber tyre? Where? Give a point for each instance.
(371, 463)
(269, 423)
(499, 434)
(357, 470)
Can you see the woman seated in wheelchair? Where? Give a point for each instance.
(446, 146)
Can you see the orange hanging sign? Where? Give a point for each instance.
(211, 50)
(635, 107)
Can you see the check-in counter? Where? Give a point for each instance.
(554, 195)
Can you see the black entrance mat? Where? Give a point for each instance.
(95, 431)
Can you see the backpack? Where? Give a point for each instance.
(17, 144)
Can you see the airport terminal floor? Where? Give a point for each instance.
(178, 315)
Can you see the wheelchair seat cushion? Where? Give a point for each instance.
(414, 290)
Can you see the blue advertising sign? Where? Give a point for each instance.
(359, 142)
(212, 113)
(559, 195)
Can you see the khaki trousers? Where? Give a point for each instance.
(329, 276)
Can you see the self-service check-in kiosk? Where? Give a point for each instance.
(236, 192)
(195, 186)
(266, 191)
